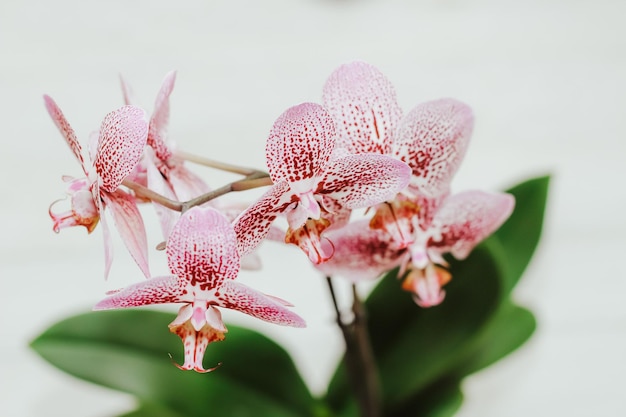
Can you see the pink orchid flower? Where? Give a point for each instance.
(159, 169)
(183, 183)
(432, 139)
(314, 187)
(461, 222)
(162, 172)
(120, 142)
(202, 256)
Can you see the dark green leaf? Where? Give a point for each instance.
(413, 346)
(520, 234)
(443, 398)
(128, 350)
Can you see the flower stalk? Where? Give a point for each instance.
(254, 180)
(359, 357)
(211, 163)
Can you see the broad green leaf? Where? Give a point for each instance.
(510, 328)
(128, 350)
(520, 234)
(414, 347)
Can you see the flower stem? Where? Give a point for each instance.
(152, 195)
(223, 166)
(254, 180)
(359, 357)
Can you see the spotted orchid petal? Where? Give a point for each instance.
(432, 138)
(130, 226)
(465, 219)
(253, 225)
(123, 135)
(357, 181)
(158, 290)
(160, 119)
(66, 130)
(300, 145)
(361, 253)
(363, 103)
(337, 214)
(237, 296)
(202, 248)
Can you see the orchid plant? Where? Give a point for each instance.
(405, 355)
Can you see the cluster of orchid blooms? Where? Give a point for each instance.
(356, 151)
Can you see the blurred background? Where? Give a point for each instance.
(546, 80)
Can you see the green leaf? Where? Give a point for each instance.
(127, 350)
(151, 410)
(510, 328)
(443, 398)
(520, 234)
(415, 347)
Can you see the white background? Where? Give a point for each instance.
(546, 80)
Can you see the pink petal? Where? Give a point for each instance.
(361, 253)
(159, 290)
(432, 138)
(300, 144)
(156, 182)
(66, 130)
(202, 248)
(185, 183)
(363, 103)
(127, 92)
(335, 213)
(120, 145)
(130, 226)
(160, 119)
(465, 219)
(358, 181)
(253, 224)
(237, 296)
(108, 244)
(251, 262)
(428, 206)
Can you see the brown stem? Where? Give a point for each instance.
(359, 357)
(223, 166)
(152, 195)
(254, 180)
